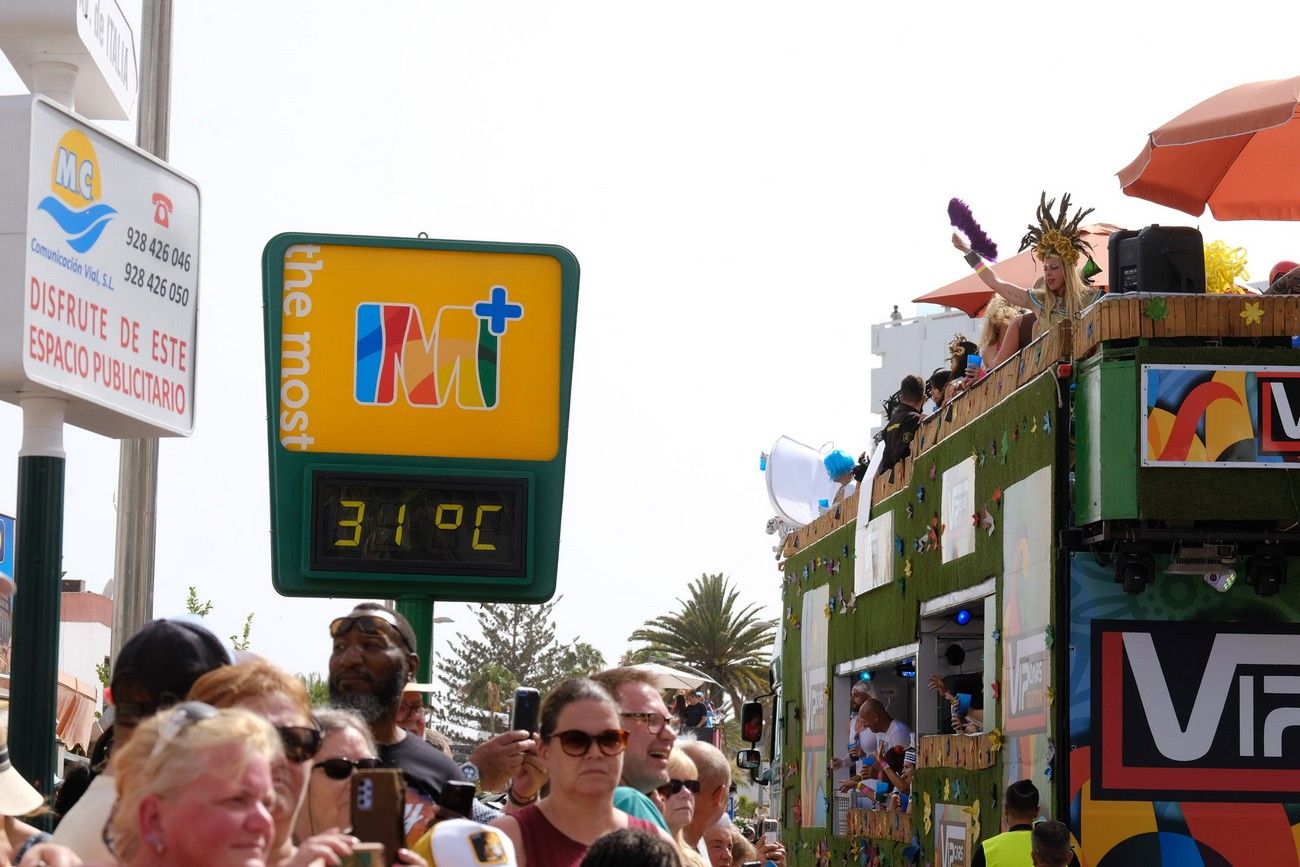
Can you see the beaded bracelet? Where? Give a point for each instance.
(516, 801)
(35, 840)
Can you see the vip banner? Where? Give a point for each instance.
(1220, 416)
(1187, 710)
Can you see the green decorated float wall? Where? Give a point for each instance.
(997, 526)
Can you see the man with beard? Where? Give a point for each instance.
(372, 660)
(650, 739)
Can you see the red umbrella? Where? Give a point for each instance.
(969, 294)
(1238, 152)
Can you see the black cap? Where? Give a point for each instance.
(158, 665)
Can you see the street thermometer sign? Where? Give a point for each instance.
(418, 407)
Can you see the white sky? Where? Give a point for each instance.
(747, 186)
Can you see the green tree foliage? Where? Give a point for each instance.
(204, 608)
(712, 633)
(318, 688)
(519, 649)
(194, 606)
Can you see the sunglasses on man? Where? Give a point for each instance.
(368, 624)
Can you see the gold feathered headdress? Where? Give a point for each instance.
(1054, 235)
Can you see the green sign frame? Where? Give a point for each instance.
(293, 471)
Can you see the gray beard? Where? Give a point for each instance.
(371, 705)
(368, 705)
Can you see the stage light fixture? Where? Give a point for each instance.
(1135, 567)
(962, 617)
(1267, 570)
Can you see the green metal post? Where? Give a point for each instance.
(37, 565)
(419, 610)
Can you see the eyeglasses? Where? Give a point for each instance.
(654, 722)
(185, 715)
(672, 787)
(576, 742)
(369, 624)
(300, 742)
(407, 711)
(341, 769)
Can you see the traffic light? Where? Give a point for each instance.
(751, 722)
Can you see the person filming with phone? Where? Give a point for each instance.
(582, 744)
(372, 659)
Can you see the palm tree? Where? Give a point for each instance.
(713, 635)
(488, 690)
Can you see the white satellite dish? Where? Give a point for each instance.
(796, 481)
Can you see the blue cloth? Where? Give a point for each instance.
(632, 802)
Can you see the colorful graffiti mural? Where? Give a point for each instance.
(1220, 415)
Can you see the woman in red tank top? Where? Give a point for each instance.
(582, 748)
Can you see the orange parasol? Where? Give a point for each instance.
(1238, 152)
(970, 295)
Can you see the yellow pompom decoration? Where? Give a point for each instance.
(1224, 265)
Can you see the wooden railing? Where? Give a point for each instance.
(1130, 316)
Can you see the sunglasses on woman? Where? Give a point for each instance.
(300, 742)
(672, 787)
(341, 769)
(576, 742)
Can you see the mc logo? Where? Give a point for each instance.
(75, 189)
(456, 357)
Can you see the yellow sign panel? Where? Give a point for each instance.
(429, 353)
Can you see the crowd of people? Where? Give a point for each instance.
(216, 759)
(1014, 317)
(881, 754)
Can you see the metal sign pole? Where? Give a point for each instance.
(419, 611)
(34, 671)
(137, 473)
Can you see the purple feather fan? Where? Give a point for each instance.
(964, 221)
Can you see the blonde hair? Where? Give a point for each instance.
(232, 685)
(1072, 294)
(148, 764)
(997, 316)
(680, 765)
(741, 849)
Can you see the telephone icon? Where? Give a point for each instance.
(162, 209)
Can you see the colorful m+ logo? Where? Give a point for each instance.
(457, 359)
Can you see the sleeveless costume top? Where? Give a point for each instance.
(546, 846)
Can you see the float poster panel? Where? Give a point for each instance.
(816, 720)
(1190, 710)
(1026, 608)
(958, 506)
(1220, 416)
(875, 565)
(952, 835)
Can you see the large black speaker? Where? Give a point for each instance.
(1157, 259)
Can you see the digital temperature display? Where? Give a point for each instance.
(428, 525)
